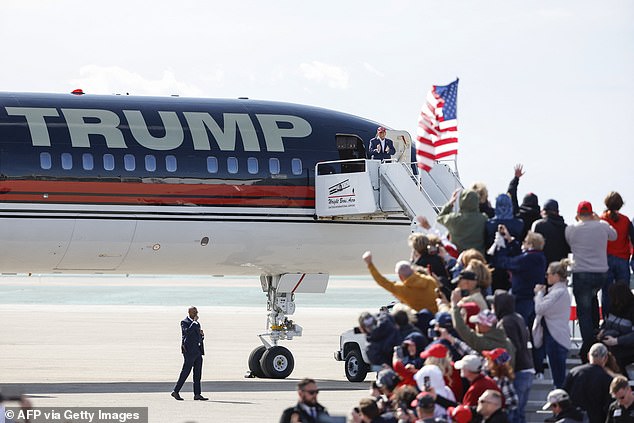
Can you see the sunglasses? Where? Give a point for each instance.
(311, 391)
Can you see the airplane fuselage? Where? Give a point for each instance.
(145, 185)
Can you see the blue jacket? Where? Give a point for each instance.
(192, 342)
(385, 154)
(527, 268)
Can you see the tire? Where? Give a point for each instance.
(356, 369)
(254, 361)
(277, 362)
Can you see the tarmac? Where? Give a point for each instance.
(69, 355)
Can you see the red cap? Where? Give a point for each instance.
(380, 129)
(77, 91)
(460, 414)
(472, 308)
(435, 350)
(498, 355)
(584, 208)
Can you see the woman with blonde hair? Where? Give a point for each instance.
(527, 263)
(551, 336)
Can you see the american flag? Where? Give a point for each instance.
(437, 133)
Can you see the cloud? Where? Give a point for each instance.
(95, 79)
(372, 69)
(334, 76)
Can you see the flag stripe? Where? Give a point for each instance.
(437, 132)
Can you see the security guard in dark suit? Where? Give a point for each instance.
(193, 350)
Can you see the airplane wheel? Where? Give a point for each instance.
(254, 361)
(277, 362)
(356, 368)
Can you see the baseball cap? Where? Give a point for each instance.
(387, 378)
(409, 341)
(555, 397)
(465, 274)
(380, 129)
(424, 400)
(498, 355)
(551, 205)
(485, 317)
(435, 350)
(470, 362)
(443, 319)
(460, 414)
(585, 207)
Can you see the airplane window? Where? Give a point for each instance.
(108, 162)
(67, 161)
(232, 165)
(274, 166)
(212, 164)
(296, 166)
(129, 163)
(252, 165)
(87, 161)
(170, 163)
(150, 163)
(45, 161)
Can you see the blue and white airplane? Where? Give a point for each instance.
(143, 185)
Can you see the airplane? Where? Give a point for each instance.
(118, 184)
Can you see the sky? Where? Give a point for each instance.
(542, 83)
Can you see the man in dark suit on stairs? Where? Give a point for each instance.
(193, 350)
(381, 148)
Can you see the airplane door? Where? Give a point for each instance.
(402, 144)
(86, 253)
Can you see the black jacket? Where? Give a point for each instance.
(515, 329)
(498, 417)
(303, 415)
(382, 339)
(553, 229)
(528, 211)
(589, 388)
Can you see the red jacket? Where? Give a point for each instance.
(621, 246)
(478, 386)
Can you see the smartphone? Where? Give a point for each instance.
(464, 293)
(426, 383)
(399, 351)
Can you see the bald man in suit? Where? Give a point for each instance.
(193, 350)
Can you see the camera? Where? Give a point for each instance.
(426, 383)
(433, 333)
(464, 293)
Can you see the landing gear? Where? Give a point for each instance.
(277, 362)
(254, 361)
(271, 360)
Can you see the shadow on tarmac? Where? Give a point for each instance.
(247, 385)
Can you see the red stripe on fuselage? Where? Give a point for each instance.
(156, 193)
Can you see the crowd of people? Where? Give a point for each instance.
(483, 305)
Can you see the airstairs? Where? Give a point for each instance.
(370, 189)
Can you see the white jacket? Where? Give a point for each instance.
(554, 307)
